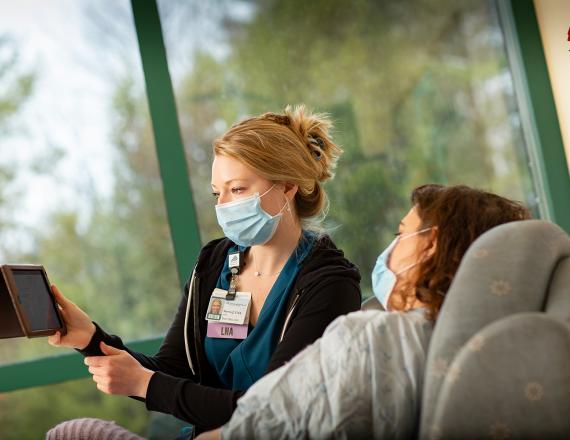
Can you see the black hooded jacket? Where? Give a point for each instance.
(185, 384)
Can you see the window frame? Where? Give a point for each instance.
(178, 198)
(539, 120)
(540, 126)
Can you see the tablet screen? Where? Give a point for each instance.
(36, 299)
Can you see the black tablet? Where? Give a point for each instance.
(27, 289)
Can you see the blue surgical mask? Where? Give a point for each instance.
(383, 278)
(245, 222)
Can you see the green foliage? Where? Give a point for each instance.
(29, 414)
(16, 87)
(412, 104)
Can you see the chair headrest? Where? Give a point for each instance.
(505, 271)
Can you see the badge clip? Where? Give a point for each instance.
(231, 295)
(235, 263)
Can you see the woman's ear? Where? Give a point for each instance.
(290, 190)
(433, 242)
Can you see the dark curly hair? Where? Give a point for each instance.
(461, 214)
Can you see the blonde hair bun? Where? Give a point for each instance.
(312, 129)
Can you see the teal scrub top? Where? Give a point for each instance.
(241, 362)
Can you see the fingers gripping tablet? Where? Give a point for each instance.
(27, 302)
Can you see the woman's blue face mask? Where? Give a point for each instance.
(383, 278)
(245, 222)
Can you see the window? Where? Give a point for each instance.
(80, 189)
(420, 92)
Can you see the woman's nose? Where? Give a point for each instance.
(224, 198)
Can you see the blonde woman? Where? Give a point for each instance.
(276, 283)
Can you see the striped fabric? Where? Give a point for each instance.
(90, 429)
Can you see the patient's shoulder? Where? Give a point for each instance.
(380, 322)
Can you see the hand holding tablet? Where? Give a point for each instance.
(80, 328)
(30, 307)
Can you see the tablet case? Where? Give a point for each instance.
(9, 323)
(13, 320)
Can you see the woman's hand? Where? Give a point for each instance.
(80, 329)
(118, 372)
(216, 434)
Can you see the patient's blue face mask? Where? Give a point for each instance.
(383, 278)
(245, 222)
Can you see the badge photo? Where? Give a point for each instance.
(215, 309)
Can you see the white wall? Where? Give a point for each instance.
(554, 20)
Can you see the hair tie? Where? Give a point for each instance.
(318, 145)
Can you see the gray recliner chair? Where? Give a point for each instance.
(499, 359)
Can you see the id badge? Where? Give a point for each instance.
(228, 318)
(234, 311)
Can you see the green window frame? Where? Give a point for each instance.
(539, 119)
(177, 194)
(541, 129)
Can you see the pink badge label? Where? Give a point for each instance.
(228, 331)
